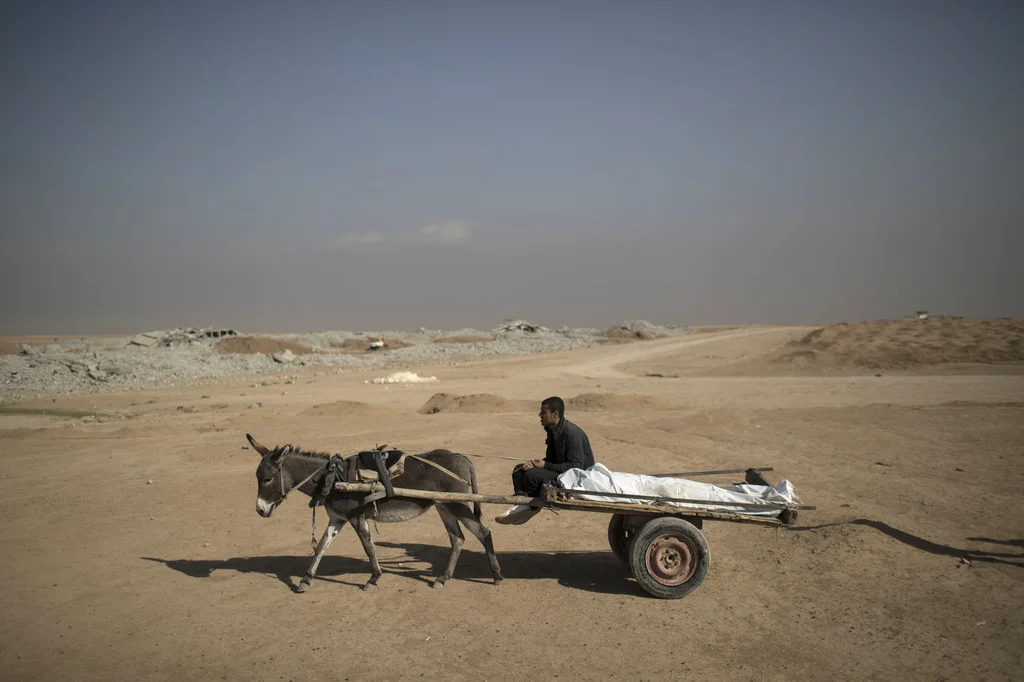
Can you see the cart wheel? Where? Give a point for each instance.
(619, 537)
(669, 557)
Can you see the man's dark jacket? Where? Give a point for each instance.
(568, 448)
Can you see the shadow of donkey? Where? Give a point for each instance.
(591, 571)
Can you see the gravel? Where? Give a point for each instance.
(91, 365)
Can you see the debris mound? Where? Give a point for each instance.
(179, 336)
(519, 326)
(640, 326)
(184, 356)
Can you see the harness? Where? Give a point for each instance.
(285, 493)
(349, 469)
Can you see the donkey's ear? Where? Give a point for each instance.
(279, 456)
(256, 446)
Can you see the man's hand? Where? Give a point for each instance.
(533, 464)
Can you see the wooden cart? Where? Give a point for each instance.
(662, 544)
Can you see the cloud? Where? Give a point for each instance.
(356, 239)
(445, 232)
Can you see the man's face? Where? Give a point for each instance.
(547, 417)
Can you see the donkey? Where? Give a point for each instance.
(285, 468)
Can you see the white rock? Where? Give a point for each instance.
(285, 357)
(404, 378)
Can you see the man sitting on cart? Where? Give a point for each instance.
(568, 447)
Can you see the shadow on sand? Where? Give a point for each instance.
(590, 571)
(934, 547)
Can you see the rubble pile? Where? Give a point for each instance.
(189, 355)
(180, 336)
(520, 326)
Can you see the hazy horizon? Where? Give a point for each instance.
(325, 165)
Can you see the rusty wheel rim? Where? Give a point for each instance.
(671, 559)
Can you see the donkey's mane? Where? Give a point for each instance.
(319, 454)
(312, 454)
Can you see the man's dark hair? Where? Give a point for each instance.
(555, 404)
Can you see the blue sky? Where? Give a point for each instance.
(330, 165)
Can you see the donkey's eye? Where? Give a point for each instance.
(267, 481)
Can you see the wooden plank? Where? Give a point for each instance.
(709, 473)
(447, 497)
(657, 510)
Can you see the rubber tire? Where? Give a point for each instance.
(619, 539)
(650, 532)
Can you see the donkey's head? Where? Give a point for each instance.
(271, 485)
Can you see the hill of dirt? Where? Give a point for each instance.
(621, 335)
(904, 344)
(362, 345)
(477, 403)
(254, 345)
(338, 408)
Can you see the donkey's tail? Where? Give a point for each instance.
(474, 488)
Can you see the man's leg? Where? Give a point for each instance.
(535, 478)
(526, 482)
(517, 480)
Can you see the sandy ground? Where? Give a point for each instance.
(911, 567)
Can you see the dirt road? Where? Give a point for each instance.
(133, 550)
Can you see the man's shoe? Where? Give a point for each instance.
(517, 515)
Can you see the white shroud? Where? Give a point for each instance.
(600, 479)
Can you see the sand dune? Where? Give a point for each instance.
(902, 344)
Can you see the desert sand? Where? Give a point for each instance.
(133, 549)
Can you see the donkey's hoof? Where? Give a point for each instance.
(498, 582)
(303, 586)
(369, 586)
(437, 584)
